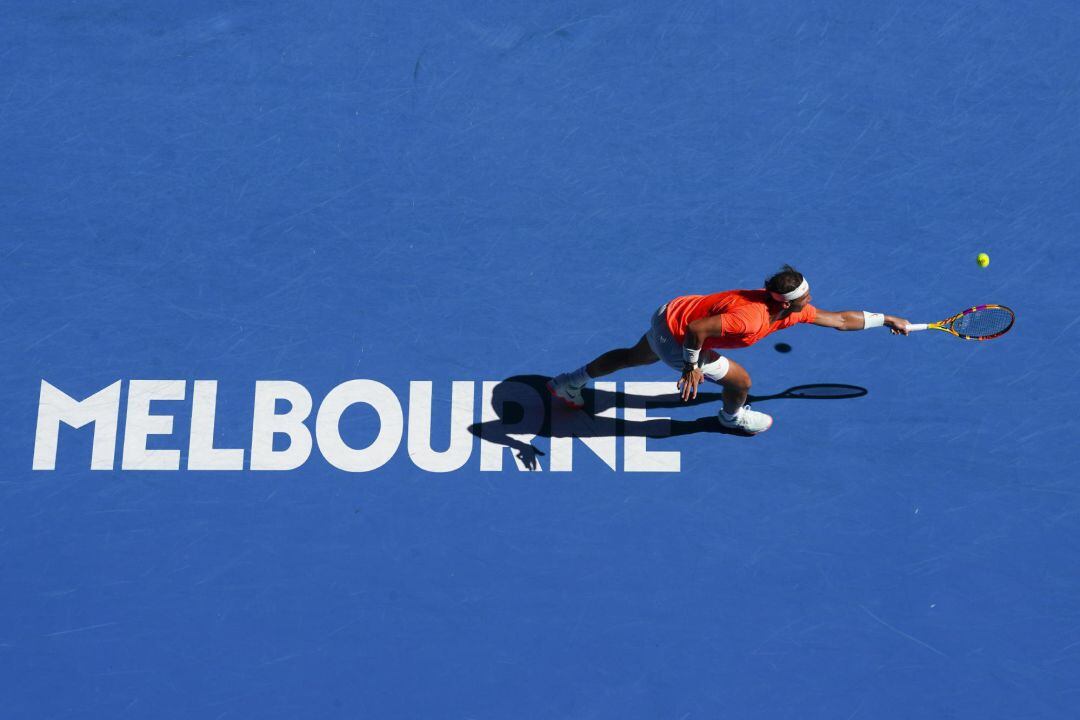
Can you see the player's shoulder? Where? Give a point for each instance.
(750, 305)
(741, 297)
(807, 315)
(754, 302)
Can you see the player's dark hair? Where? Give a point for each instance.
(784, 281)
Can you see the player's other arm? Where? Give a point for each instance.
(696, 334)
(857, 320)
(702, 329)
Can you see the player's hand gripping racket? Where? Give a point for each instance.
(984, 322)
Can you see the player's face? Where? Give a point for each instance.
(799, 303)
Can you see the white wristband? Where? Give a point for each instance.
(872, 320)
(691, 355)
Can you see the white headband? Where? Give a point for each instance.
(804, 287)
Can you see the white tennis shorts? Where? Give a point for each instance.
(713, 365)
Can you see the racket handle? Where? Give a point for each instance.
(912, 327)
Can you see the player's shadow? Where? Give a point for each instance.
(522, 406)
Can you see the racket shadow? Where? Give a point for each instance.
(523, 406)
(814, 391)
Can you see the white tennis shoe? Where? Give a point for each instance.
(560, 388)
(747, 420)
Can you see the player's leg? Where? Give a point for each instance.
(655, 344)
(736, 383)
(736, 414)
(622, 358)
(567, 386)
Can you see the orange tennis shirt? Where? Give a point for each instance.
(745, 316)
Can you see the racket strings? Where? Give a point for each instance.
(984, 322)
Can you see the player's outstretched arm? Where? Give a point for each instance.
(860, 320)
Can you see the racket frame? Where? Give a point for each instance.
(946, 324)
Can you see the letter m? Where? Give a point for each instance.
(55, 407)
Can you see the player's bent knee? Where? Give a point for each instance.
(717, 368)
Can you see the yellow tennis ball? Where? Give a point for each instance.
(983, 259)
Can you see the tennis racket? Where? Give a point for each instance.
(983, 322)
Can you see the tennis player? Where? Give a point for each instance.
(687, 332)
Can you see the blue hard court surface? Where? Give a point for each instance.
(477, 191)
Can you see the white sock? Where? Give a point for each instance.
(578, 378)
(729, 416)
